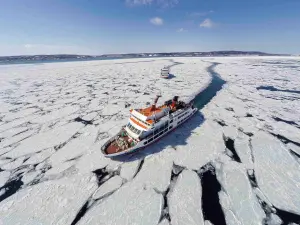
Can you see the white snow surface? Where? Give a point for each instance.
(55, 202)
(185, 200)
(55, 117)
(277, 172)
(128, 205)
(242, 201)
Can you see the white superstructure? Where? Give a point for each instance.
(165, 72)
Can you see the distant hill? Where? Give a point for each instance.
(24, 58)
(192, 54)
(68, 57)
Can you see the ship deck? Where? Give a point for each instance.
(113, 147)
(149, 111)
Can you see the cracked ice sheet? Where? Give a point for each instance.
(52, 202)
(108, 187)
(237, 199)
(17, 138)
(37, 158)
(287, 131)
(185, 200)
(203, 144)
(160, 163)
(277, 172)
(35, 83)
(20, 114)
(94, 159)
(12, 132)
(76, 147)
(13, 164)
(60, 170)
(164, 222)
(15, 123)
(246, 77)
(129, 169)
(242, 147)
(45, 140)
(56, 114)
(130, 204)
(4, 175)
(294, 148)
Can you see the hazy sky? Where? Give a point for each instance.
(125, 26)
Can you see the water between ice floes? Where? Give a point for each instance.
(211, 90)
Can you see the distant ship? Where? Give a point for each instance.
(147, 125)
(165, 72)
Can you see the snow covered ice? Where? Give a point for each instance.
(235, 162)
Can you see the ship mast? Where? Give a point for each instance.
(153, 107)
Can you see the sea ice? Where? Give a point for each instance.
(55, 117)
(51, 202)
(161, 164)
(277, 172)
(45, 140)
(4, 175)
(242, 202)
(185, 200)
(130, 169)
(204, 144)
(243, 149)
(76, 147)
(108, 187)
(128, 205)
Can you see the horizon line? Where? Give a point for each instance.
(98, 55)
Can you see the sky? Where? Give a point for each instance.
(97, 27)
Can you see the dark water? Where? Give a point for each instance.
(211, 207)
(10, 188)
(271, 88)
(12, 62)
(229, 143)
(53, 61)
(208, 93)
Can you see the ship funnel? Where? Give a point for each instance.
(175, 100)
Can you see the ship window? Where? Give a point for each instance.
(171, 121)
(133, 129)
(170, 127)
(150, 140)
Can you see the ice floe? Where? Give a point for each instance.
(55, 202)
(242, 203)
(185, 200)
(277, 172)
